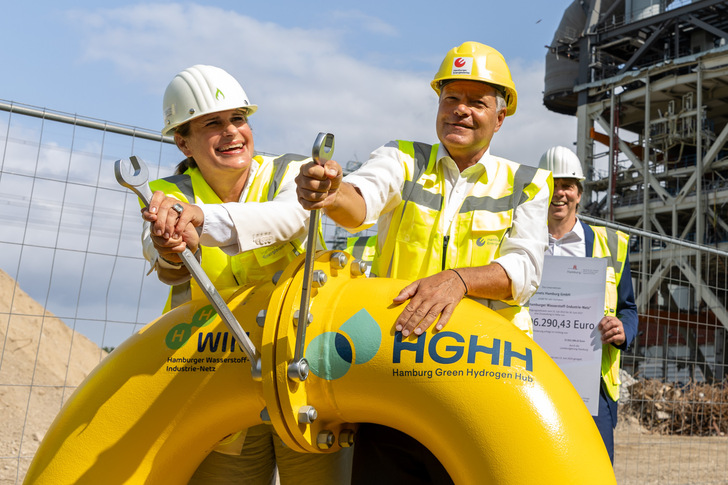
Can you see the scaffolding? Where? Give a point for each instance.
(648, 82)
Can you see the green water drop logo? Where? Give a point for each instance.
(331, 354)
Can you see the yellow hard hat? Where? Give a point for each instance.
(473, 61)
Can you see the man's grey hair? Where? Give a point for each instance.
(500, 101)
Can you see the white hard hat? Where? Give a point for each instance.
(200, 90)
(562, 162)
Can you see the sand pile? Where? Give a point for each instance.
(42, 361)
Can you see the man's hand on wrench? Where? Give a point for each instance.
(316, 185)
(321, 187)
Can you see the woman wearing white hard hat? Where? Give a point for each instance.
(244, 208)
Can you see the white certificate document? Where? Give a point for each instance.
(566, 311)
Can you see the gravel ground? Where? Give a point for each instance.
(642, 458)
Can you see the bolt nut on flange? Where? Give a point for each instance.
(318, 278)
(339, 260)
(276, 277)
(325, 440)
(298, 371)
(264, 416)
(358, 267)
(307, 414)
(260, 318)
(296, 315)
(346, 438)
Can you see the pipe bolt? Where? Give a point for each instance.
(307, 414)
(346, 438)
(318, 279)
(339, 260)
(325, 440)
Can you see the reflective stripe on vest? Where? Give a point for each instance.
(362, 247)
(614, 246)
(229, 271)
(415, 246)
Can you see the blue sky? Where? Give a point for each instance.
(360, 70)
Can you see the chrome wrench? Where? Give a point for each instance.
(323, 150)
(134, 176)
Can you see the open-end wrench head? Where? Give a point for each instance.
(323, 148)
(133, 174)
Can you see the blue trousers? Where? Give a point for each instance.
(606, 420)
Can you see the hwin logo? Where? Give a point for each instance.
(181, 333)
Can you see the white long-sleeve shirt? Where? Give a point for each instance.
(573, 243)
(380, 182)
(241, 226)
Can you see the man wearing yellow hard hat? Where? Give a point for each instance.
(451, 217)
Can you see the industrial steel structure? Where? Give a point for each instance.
(648, 82)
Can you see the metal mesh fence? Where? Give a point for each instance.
(673, 413)
(74, 285)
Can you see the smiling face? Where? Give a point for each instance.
(221, 144)
(564, 202)
(467, 118)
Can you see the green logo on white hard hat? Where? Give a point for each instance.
(219, 94)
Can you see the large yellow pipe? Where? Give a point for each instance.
(481, 395)
(142, 417)
(138, 419)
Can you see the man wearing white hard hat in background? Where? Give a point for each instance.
(568, 236)
(250, 226)
(451, 217)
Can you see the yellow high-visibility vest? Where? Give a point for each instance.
(613, 245)
(362, 247)
(418, 245)
(251, 266)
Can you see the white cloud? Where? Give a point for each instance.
(303, 80)
(527, 134)
(368, 23)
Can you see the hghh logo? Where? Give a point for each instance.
(331, 354)
(181, 333)
(219, 94)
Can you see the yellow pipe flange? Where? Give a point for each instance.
(301, 419)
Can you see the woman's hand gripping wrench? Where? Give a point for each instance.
(323, 150)
(134, 176)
